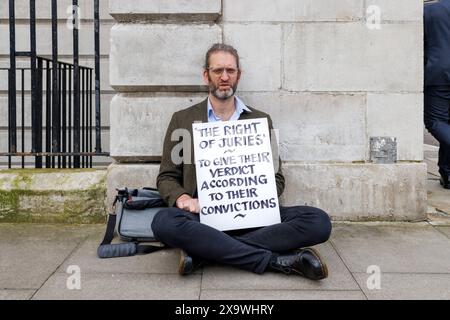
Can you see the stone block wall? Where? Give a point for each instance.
(328, 77)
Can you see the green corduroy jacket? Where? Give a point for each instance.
(176, 179)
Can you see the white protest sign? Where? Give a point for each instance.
(235, 174)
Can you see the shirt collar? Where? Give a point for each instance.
(240, 107)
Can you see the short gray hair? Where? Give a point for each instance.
(221, 47)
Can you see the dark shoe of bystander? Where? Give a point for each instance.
(444, 180)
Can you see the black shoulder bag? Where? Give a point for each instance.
(132, 216)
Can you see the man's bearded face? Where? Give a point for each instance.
(219, 91)
(222, 75)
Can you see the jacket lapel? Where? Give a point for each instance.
(199, 113)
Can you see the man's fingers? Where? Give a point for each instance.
(197, 206)
(187, 206)
(184, 206)
(190, 205)
(183, 202)
(192, 208)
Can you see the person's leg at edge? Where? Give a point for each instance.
(436, 119)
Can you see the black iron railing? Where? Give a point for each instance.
(61, 116)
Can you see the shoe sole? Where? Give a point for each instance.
(322, 263)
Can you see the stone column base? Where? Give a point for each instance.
(53, 195)
(352, 192)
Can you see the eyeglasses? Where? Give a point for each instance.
(219, 71)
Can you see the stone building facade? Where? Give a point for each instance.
(332, 74)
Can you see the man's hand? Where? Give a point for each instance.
(187, 203)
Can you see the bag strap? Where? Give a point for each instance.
(109, 234)
(150, 188)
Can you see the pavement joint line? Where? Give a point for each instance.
(133, 273)
(440, 225)
(201, 284)
(82, 241)
(443, 233)
(18, 289)
(288, 290)
(199, 274)
(431, 146)
(348, 268)
(429, 222)
(408, 273)
(412, 224)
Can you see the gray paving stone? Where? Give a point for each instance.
(122, 286)
(16, 294)
(30, 253)
(280, 295)
(218, 277)
(430, 152)
(432, 167)
(438, 219)
(414, 261)
(438, 197)
(429, 141)
(396, 286)
(164, 261)
(393, 247)
(445, 230)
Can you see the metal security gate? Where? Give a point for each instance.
(62, 105)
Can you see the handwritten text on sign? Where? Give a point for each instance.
(235, 174)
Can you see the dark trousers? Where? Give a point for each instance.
(437, 122)
(249, 249)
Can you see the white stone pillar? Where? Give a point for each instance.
(328, 74)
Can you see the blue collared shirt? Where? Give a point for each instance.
(240, 107)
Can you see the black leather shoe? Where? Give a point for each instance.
(305, 262)
(444, 180)
(188, 264)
